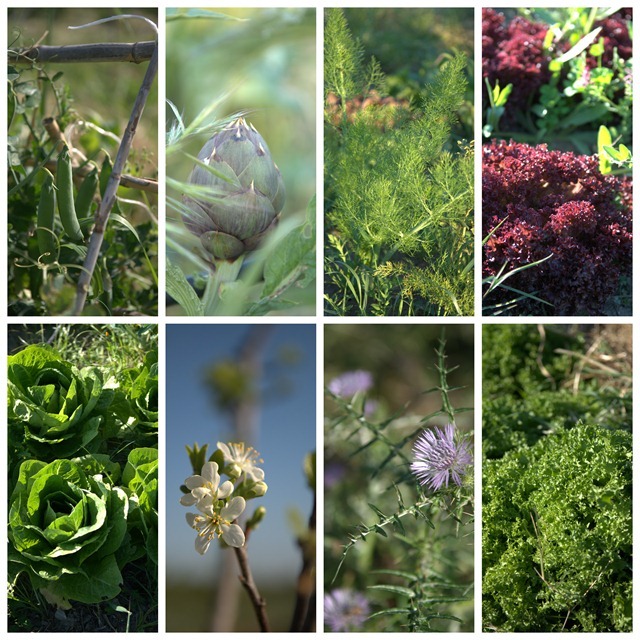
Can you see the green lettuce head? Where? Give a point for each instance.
(141, 389)
(55, 411)
(65, 529)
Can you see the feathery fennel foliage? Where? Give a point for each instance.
(399, 202)
(408, 553)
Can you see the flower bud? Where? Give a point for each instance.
(257, 490)
(245, 188)
(256, 518)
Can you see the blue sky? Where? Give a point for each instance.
(286, 435)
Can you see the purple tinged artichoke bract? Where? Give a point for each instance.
(247, 192)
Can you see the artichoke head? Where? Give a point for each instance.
(242, 192)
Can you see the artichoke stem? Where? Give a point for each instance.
(225, 273)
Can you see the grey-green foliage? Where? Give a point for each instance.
(557, 535)
(425, 538)
(400, 203)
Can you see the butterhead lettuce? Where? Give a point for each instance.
(66, 528)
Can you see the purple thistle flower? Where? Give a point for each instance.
(349, 383)
(438, 456)
(345, 610)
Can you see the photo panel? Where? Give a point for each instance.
(399, 162)
(83, 162)
(556, 161)
(241, 155)
(240, 489)
(398, 478)
(557, 478)
(82, 478)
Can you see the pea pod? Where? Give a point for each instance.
(105, 174)
(85, 194)
(66, 206)
(46, 212)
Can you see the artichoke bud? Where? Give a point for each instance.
(245, 188)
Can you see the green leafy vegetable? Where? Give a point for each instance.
(56, 411)
(66, 528)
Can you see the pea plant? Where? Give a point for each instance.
(83, 481)
(398, 188)
(406, 566)
(557, 476)
(65, 123)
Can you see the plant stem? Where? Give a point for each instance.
(304, 612)
(246, 578)
(102, 217)
(103, 52)
(225, 273)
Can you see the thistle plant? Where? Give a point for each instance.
(438, 458)
(345, 610)
(403, 566)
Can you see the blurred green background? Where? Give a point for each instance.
(264, 61)
(410, 45)
(402, 360)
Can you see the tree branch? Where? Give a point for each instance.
(246, 578)
(304, 612)
(135, 52)
(102, 217)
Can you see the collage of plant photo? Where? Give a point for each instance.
(319, 318)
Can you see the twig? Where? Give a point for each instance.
(127, 181)
(246, 578)
(304, 612)
(135, 52)
(102, 217)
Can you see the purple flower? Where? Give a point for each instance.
(345, 610)
(438, 456)
(349, 383)
(333, 473)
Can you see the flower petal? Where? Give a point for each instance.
(193, 482)
(225, 490)
(233, 509)
(188, 499)
(202, 544)
(225, 450)
(210, 472)
(205, 503)
(233, 535)
(191, 519)
(256, 474)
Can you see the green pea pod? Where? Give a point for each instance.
(105, 172)
(66, 206)
(85, 194)
(46, 211)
